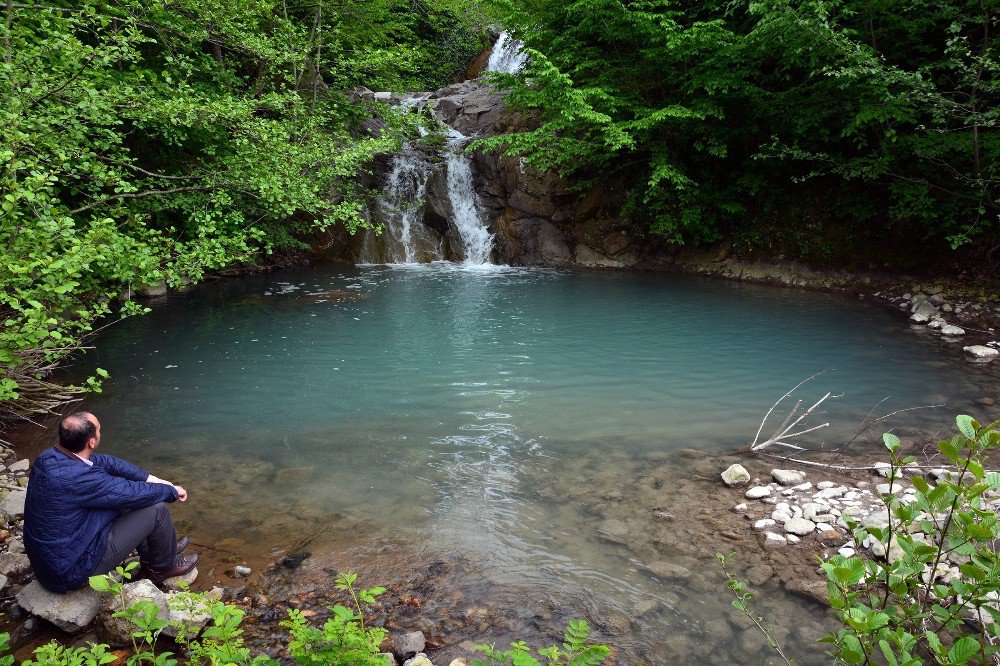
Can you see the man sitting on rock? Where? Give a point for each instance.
(85, 512)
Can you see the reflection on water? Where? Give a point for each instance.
(461, 410)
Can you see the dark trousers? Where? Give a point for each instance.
(149, 530)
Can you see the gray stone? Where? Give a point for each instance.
(242, 571)
(118, 630)
(20, 466)
(406, 645)
(800, 526)
(14, 565)
(419, 660)
(669, 571)
(788, 477)
(758, 492)
(735, 475)
(12, 505)
(949, 329)
(180, 582)
(981, 354)
(772, 539)
(186, 614)
(70, 612)
(15, 546)
(152, 290)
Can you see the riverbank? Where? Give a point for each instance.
(497, 498)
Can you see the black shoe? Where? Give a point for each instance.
(182, 565)
(182, 543)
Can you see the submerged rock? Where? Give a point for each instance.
(735, 475)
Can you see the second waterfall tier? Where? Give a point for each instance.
(429, 210)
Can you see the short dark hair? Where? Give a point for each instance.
(76, 430)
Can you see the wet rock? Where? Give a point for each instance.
(759, 574)
(951, 330)
(800, 526)
(295, 560)
(152, 290)
(293, 475)
(981, 354)
(70, 612)
(409, 644)
(987, 402)
(808, 588)
(668, 571)
(735, 475)
(241, 571)
(788, 477)
(647, 607)
(14, 565)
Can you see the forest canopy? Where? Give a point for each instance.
(734, 118)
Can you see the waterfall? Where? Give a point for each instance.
(508, 55)
(402, 208)
(404, 239)
(477, 241)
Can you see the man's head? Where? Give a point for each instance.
(79, 431)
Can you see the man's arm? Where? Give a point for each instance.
(104, 491)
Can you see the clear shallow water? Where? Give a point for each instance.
(455, 409)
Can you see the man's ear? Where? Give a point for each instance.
(92, 443)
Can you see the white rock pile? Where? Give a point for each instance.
(820, 510)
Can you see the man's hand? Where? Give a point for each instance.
(182, 494)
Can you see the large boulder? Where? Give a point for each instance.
(118, 630)
(70, 612)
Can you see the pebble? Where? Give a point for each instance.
(792, 538)
(774, 539)
(800, 526)
(846, 551)
(242, 571)
(823, 485)
(762, 523)
(740, 507)
(758, 492)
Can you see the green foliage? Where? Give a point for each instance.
(149, 142)
(575, 651)
(343, 639)
(724, 115)
(910, 605)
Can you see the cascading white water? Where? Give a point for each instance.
(405, 238)
(508, 55)
(401, 207)
(477, 241)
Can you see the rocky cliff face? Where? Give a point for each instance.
(535, 218)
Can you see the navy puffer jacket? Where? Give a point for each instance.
(69, 509)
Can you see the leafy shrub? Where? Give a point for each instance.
(911, 603)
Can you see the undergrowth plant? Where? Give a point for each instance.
(575, 651)
(936, 592)
(344, 640)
